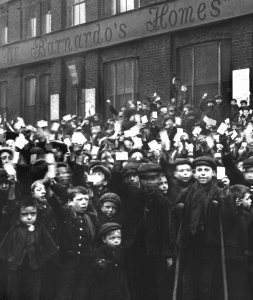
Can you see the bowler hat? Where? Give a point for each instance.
(108, 227)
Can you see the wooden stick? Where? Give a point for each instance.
(223, 263)
(176, 277)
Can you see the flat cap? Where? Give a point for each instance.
(204, 161)
(130, 168)
(108, 227)
(149, 169)
(110, 197)
(248, 163)
(104, 170)
(181, 161)
(7, 149)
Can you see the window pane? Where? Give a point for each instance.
(212, 63)
(111, 80)
(45, 96)
(129, 78)
(123, 5)
(130, 4)
(30, 91)
(3, 95)
(110, 7)
(200, 65)
(186, 66)
(120, 78)
(82, 13)
(226, 61)
(76, 15)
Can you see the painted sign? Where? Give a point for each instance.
(241, 85)
(135, 24)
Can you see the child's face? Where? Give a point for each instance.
(163, 187)
(28, 215)
(109, 209)
(204, 174)
(39, 192)
(79, 203)
(246, 201)
(113, 238)
(99, 179)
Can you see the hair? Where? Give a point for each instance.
(27, 200)
(76, 190)
(33, 186)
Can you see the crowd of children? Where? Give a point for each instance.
(153, 203)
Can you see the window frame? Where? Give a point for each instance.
(30, 117)
(117, 4)
(79, 3)
(30, 19)
(220, 65)
(135, 79)
(4, 38)
(4, 108)
(43, 17)
(45, 105)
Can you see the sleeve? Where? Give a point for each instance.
(57, 207)
(232, 169)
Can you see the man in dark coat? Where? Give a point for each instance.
(146, 237)
(221, 110)
(198, 236)
(234, 111)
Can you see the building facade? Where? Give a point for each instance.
(60, 57)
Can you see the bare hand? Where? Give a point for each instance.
(169, 263)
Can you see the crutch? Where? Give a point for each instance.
(176, 277)
(223, 263)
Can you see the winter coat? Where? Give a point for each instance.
(110, 282)
(180, 230)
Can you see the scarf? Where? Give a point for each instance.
(38, 245)
(201, 196)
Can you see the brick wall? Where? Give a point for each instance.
(14, 21)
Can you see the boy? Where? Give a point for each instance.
(27, 251)
(109, 208)
(109, 265)
(101, 177)
(198, 237)
(77, 229)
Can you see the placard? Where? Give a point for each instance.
(121, 156)
(241, 85)
(90, 100)
(54, 107)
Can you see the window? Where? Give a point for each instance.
(3, 24)
(206, 68)
(45, 97)
(3, 99)
(78, 12)
(113, 7)
(30, 11)
(121, 82)
(75, 75)
(30, 90)
(46, 16)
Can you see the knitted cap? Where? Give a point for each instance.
(108, 227)
(110, 197)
